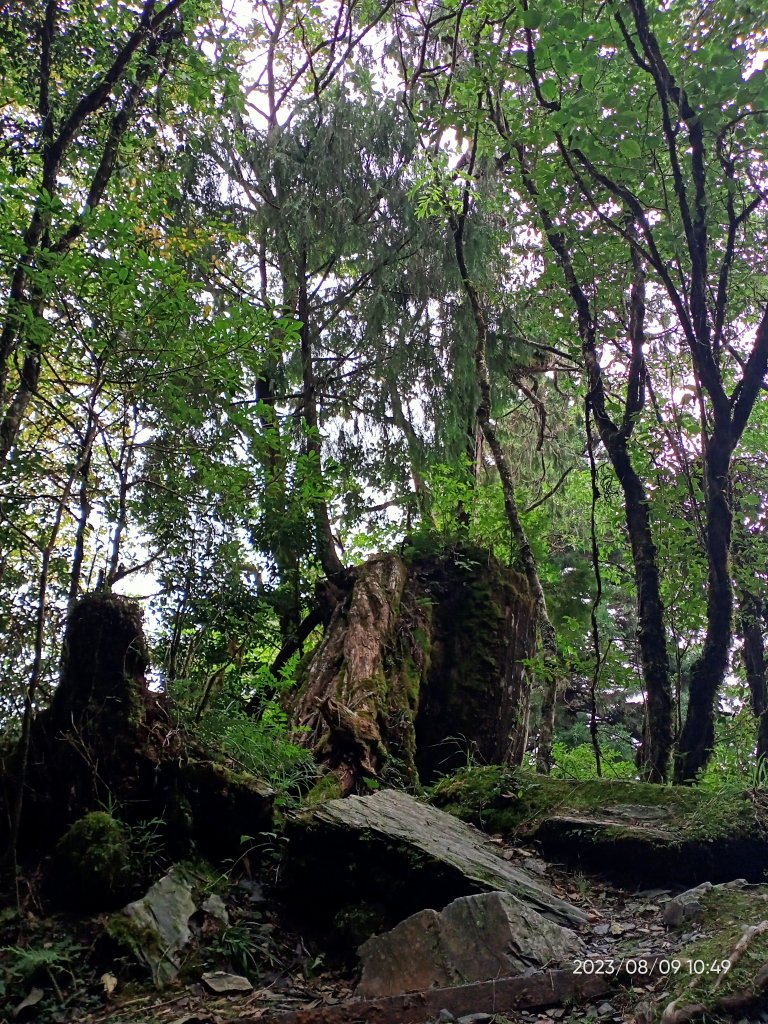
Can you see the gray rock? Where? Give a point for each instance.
(226, 984)
(475, 938)
(160, 924)
(395, 817)
(689, 905)
(213, 905)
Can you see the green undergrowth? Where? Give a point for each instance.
(516, 802)
(699, 975)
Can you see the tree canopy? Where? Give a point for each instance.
(286, 284)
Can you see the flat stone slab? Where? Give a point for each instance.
(403, 835)
(475, 938)
(161, 922)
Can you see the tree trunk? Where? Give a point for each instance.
(325, 543)
(751, 619)
(422, 667)
(698, 736)
(523, 552)
(651, 635)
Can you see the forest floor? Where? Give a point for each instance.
(624, 923)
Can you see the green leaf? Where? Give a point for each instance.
(550, 90)
(531, 19)
(630, 149)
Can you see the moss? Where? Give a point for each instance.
(128, 936)
(515, 801)
(477, 683)
(93, 866)
(326, 788)
(726, 914)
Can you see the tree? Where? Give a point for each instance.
(69, 112)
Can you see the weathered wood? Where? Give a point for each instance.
(547, 988)
(423, 663)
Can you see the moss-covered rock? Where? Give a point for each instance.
(724, 973)
(92, 867)
(651, 833)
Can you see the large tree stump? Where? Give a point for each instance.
(106, 741)
(422, 666)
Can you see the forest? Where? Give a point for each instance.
(389, 379)
(288, 285)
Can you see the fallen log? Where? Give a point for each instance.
(538, 991)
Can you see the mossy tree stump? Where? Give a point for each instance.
(106, 741)
(422, 666)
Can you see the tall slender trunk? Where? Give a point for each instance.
(751, 624)
(403, 423)
(326, 545)
(651, 633)
(84, 511)
(524, 552)
(708, 671)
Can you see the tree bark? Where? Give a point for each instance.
(422, 666)
(708, 671)
(752, 621)
(523, 551)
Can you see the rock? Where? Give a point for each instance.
(351, 851)
(156, 928)
(477, 1018)
(226, 984)
(475, 938)
(689, 905)
(213, 905)
(254, 890)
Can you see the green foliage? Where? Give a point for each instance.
(52, 963)
(256, 327)
(579, 762)
(94, 863)
(733, 762)
(262, 747)
(262, 744)
(247, 947)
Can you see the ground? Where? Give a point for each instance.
(64, 958)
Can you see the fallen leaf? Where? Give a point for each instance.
(32, 999)
(109, 981)
(222, 983)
